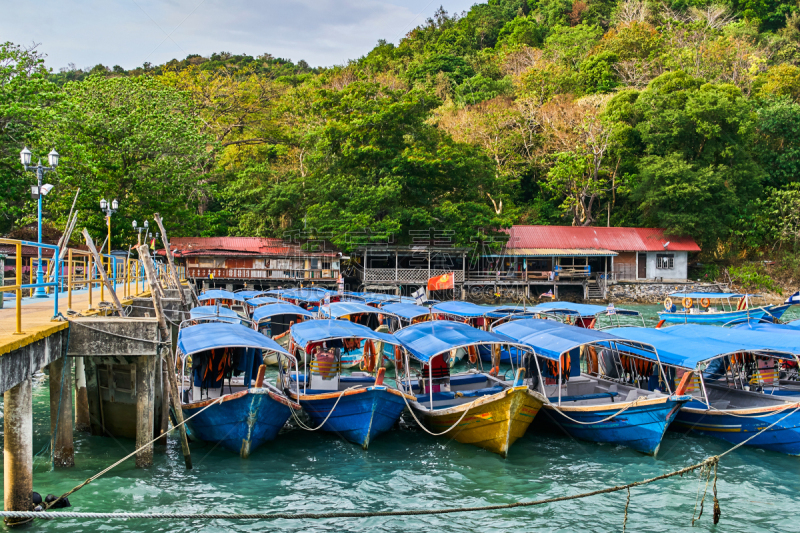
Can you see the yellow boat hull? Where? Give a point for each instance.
(492, 422)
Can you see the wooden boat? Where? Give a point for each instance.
(252, 411)
(231, 300)
(274, 321)
(726, 385)
(359, 406)
(474, 407)
(625, 408)
(698, 309)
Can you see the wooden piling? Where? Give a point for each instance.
(82, 418)
(61, 419)
(164, 422)
(144, 256)
(145, 405)
(18, 449)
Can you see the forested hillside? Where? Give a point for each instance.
(681, 114)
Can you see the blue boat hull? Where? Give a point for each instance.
(242, 422)
(775, 312)
(360, 416)
(711, 318)
(640, 427)
(783, 437)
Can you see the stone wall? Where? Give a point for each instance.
(656, 292)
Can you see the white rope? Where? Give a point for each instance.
(308, 428)
(771, 413)
(426, 430)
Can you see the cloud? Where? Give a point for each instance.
(131, 32)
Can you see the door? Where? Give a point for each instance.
(641, 266)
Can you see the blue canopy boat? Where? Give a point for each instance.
(407, 313)
(476, 316)
(628, 409)
(253, 303)
(704, 313)
(249, 295)
(471, 407)
(275, 320)
(251, 412)
(227, 299)
(366, 315)
(726, 381)
(582, 315)
(310, 298)
(359, 407)
(214, 312)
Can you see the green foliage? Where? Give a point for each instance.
(522, 31)
(133, 139)
(597, 73)
(753, 277)
(480, 88)
(25, 100)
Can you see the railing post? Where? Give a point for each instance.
(55, 280)
(19, 289)
(88, 277)
(70, 274)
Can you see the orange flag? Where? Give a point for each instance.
(440, 283)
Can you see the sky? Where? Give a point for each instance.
(131, 32)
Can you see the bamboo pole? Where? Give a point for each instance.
(175, 278)
(144, 255)
(102, 272)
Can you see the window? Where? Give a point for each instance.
(665, 261)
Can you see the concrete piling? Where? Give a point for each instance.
(82, 419)
(18, 448)
(145, 402)
(61, 418)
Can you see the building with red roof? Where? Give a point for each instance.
(253, 261)
(617, 253)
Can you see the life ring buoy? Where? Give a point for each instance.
(687, 302)
(368, 359)
(668, 303)
(473, 355)
(705, 302)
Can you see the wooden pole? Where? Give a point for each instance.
(102, 272)
(144, 254)
(145, 406)
(171, 261)
(61, 419)
(18, 449)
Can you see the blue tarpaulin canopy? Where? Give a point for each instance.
(571, 308)
(506, 310)
(215, 294)
(406, 311)
(426, 340)
(549, 338)
(340, 309)
(214, 335)
(263, 300)
(248, 295)
(210, 311)
(279, 309)
(794, 324)
(676, 350)
(465, 309)
(310, 331)
(747, 339)
(701, 295)
(308, 294)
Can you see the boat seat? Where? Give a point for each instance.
(632, 395)
(440, 396)
(580, 397)
(467, 379)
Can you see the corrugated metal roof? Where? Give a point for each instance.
(617, 239)
(558, 252)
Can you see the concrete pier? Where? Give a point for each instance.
(61, 417)
(18, 448)
(145, 401)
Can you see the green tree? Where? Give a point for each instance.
(133, 139)
(25, 99)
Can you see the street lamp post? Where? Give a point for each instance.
(109, 209)
(37, 192)
(141, 229)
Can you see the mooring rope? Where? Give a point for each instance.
(632, 404)
(709, 462)
(308, 428)
(470, 405)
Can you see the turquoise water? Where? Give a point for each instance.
(408, 469)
